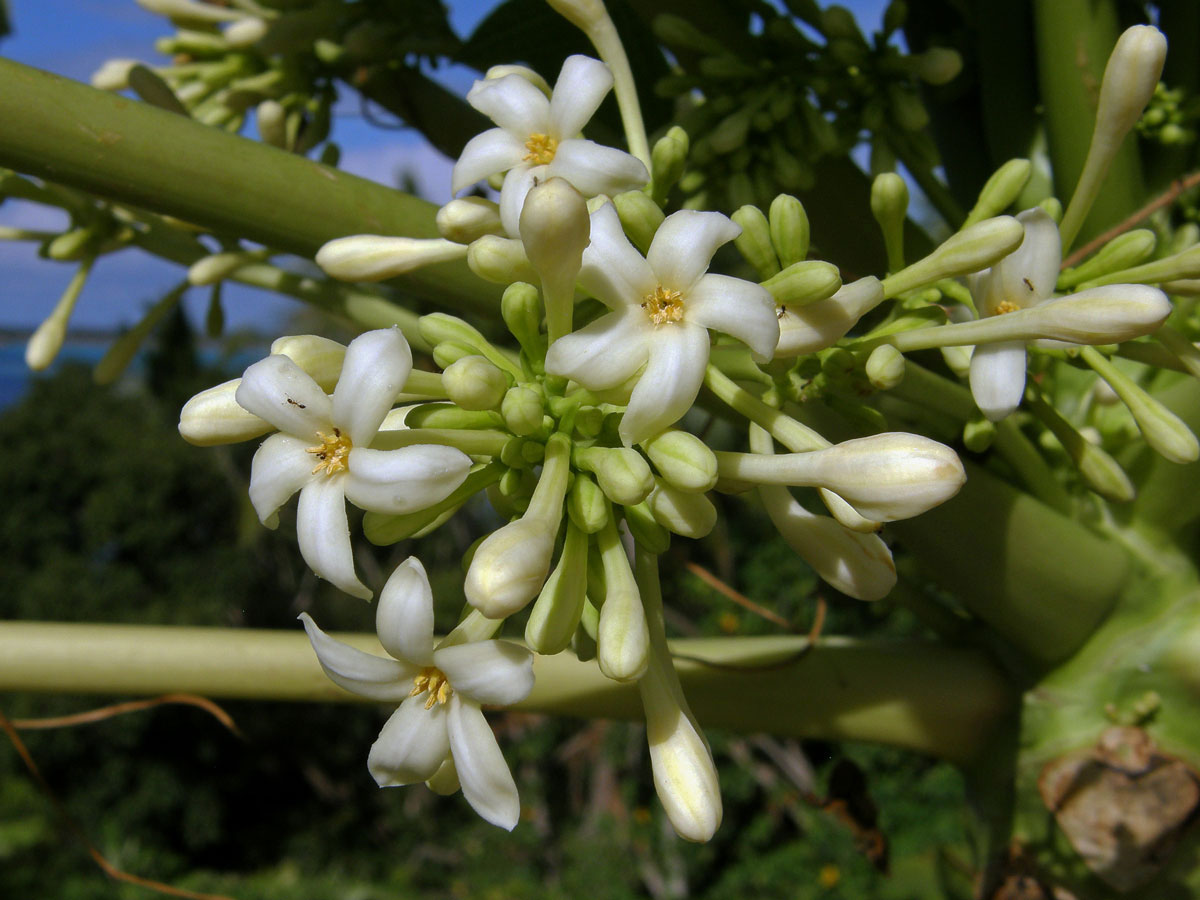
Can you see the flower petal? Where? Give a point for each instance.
(405, 479)
(412, 746)
(684, 245)
(668, 387)
(512, 103)
(998, 378)
(365, 674)
(278, 390)
(324, 535)
(517, 184)
(498, 673)
(1026, 276)
(613, 271)
(604, 353)
(376, 366)
(404, 619)
(736, 307)
(582, 84)
(280, 468)
(492, 151)
(595, 169)
(486, 782)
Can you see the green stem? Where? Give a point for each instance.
(922, 696)
(793, 435)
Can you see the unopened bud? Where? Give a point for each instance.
(1180, 266)
(71, 245)
(889, 206)
(1122, 252)
(684, 460)
(500, 260)
(803, 283)
(970, 250)
(622, 639)
(648, 534)
(522, 311)
(218, 266)
(468, 219)
(622, 473)
(509, 568)
(1001, 190)
(808, 329)
(885, 367)
(447, 353)
(271, 120)
(191, 11)
(320, 357)
(246, 33)
(213, 417)
(754, 243)
(586, 504)
(373, 257)
(46, 342)
(555, 230)
(640, 217)
(474, 383)
(789, 229)
(957, 360)
(939, 65)
(687, 514)
(978, 434)
(522, 409)
(113, 75)
(1130, 78)
(667, 161)
(583, 14)
(559, 606)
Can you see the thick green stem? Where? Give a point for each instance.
(918, 695)
(134, 153)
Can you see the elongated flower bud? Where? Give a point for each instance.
(113, 75)
(555, 230)
(819, 325)
(680, 512)
(1001, 190)
(218, 266)
(1120, 253)
(583, 14)
(754, 243)
(468, 219)
(374, 257)
(246, 33)
(622, 639)
(804, 283)
(500, 260)
(789, 229)
(521, 310)
(684, 460)
(555, 615)
(47, 340)
(213, 417)
(667, 161)
(191, 11)
(889, 206)
(970, 250)
(640, 217)
(587, 505)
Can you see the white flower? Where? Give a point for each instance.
(538, 138)
(441, 689)
(663, 306)
(323, 450)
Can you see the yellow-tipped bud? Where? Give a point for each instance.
(556, 613)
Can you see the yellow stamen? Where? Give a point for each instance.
(541, 149)
(1006, 306)
(433, 680)
(332, 453)
(663, 307)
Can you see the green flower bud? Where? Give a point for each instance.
(469, 218)
(217, 267)
(889, 206)
(1180, 266)
(447, 353)
(1120, 253)
(622, 638)
(789, 229)
(958, 360)
(978, 434)
(522, 311)
(589, 421)
(522, 409)
(970, 250)
(1099, 470)
(586, 504)
(511, 453)
(121, 351)
(150, 87)
(885, 367)
(667, 162)
(645, 530)
(556, 613)
(500, 260)
(70, 245)
(113, 75)
(939, 65)
(683, 460)
(754, 243)
(447, 415)
(640, 217)
(680, 512)
(1001, 190)
(804, 282)
(474, 383)
(623, 474)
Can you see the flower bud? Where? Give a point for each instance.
(680, 512)
(623, 474)
(556, 613)
(320, 357)
(622, 638)
(810, 328)
(70, 245)
(939, 65)
(271, 120)
(555, 230)
(522, 409)
(978, 434)
(1104, 315)
(500, 260)
(217, 267)
(509, 567)
(447, 415)
(587, 505)
(113, 75)
(522, 312)
(754, 243)
(191, 11)
(583, 14)
(889, 206)
(469, 218)
(1001, 190)
(684, 461)
(885, 367)
(373, 257)
(1130, 78)
(213, 417)
(640, 217)
(1122, 252)
(474, 383)
(447, 353)
(685, 777)
(789, 230)
(1182, 265)
(803, 283)
(969, 250)
(245, 33)
(46, 342)
(667, 162)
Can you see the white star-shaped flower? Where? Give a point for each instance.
(323, 450)
(441, 689)
(538, 138)
(662, 307)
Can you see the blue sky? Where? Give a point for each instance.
(72, 38)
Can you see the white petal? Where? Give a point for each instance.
(1027, 275)
(582, 84)
(486, 782)
(818, 325)
(412, 746)
(498, 673)
(684, 245)
(404, 619)
(605, 353)
(517, 184)
(324, 534)
(613, 271)
(668, 387)
(278, 390)
(492, 151)
(998, 378)
(595, 169)
(361, 673)
(736, 307)
(512, 103)
(280, 468)
(376, 366)
(405, 479)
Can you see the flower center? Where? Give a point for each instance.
(1005, 306)
(540, 149)
(663, 307)
(332, 453)
(431, 679)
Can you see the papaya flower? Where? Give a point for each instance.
(322, 450)
(440, 688)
